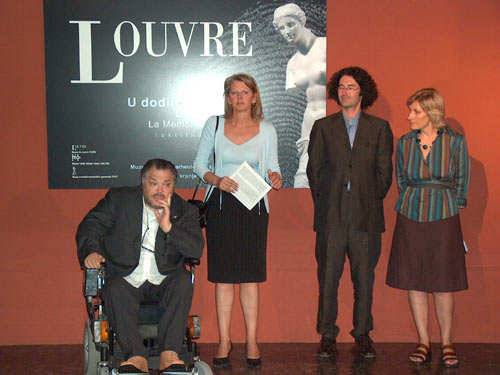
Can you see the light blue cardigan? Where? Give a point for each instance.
(268, 156)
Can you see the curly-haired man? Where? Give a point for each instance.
(350, 172)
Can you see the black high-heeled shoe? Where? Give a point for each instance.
(253, 363)
(223, 361)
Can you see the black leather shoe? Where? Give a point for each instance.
(366, 349)
(223, 361)
(327, 347)
(254, 363)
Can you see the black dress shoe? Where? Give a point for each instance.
(223, 361)
(327, 347)
(254, 363)
(366, 349)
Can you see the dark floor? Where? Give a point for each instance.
(289, 358)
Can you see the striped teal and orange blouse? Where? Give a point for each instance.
(434, 188)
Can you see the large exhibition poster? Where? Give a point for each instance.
(131, 80)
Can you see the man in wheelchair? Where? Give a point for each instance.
(143, 235)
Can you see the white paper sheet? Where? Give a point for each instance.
(251, 186)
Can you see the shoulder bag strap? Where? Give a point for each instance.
(199, 179)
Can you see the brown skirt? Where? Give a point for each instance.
(427, 257)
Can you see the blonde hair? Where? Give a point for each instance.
(257, 114)
(432, 103)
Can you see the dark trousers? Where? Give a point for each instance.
(122, 302)
(363, 251)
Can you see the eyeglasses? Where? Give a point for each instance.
(349, 88)
(142, 241)
(144, 235)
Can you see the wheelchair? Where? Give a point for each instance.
(101, 352)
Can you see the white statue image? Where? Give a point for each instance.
(306, 70)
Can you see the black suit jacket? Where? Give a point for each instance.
(113, 229)
(368, 167)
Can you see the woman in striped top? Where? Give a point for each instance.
(427, 254)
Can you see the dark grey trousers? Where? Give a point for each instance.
(122, 302)
(363, 251)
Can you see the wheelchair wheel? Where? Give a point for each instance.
(90, 354)
(202, 368)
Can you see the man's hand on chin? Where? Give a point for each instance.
(163, 217)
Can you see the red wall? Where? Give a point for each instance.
(453, 45)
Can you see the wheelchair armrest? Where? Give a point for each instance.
(91, 285)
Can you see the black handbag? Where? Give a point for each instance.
(203, 205)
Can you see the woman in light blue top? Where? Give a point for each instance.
(236, 236)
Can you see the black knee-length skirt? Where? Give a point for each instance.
(236, 240)
(428, 257)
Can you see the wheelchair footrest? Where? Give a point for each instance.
(115, 372)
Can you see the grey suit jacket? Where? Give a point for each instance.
(368, 167)
(113, 229)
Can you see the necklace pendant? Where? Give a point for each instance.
(424, 147)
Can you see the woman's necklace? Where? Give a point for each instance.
(425, 147)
